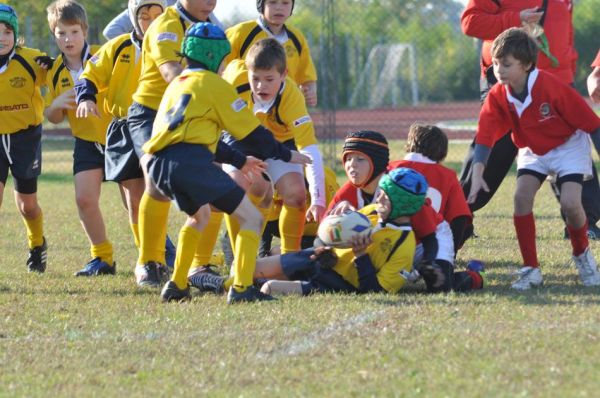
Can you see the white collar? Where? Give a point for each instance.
(5, 66)
(521, 106)
(418, 157)
(281, 37)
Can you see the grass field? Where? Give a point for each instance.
(64, 336)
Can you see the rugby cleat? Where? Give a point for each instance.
(38, 257)
(588, 269)
(207, 282)
(97, 267)
(251, 294)
(171, 292)
(528, 277)
(151, 274)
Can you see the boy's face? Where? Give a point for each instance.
(147, 14)
(70, 38)
(265, 83)
(358, 168)
(511, 71)
(199, 7)
(7, 39)
(277, 11)
(384, 206)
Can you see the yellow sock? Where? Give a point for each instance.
(233, 227)
(153, 218)
(246, 249)
(208, 239)
(35, 230)
(228, 283)
(291, 227)
(186, 246)
(103, 250)
(136, 234)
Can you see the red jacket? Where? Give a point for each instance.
(485, 20)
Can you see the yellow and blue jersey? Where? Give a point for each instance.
(287, 118)
(390, 253)
(115, 69)
(299, 62)
(197, 106)
(59, 81)
(21, 102)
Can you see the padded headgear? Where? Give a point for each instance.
(205, 44)
(260, 6)
(371, 144)
(406, 190)
(135, 5)
(8, 15)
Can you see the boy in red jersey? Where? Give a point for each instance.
(549, 121)
(426, 147)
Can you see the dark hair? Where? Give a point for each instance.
(266, 54)
(518, 43)
(427, 140)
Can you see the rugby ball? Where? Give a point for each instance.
(337, 230)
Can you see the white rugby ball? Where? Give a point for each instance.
(337, 230)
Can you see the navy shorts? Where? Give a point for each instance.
(186, 173)
(21, 153)
(314, 279)
(140, 120)
(87, 155)
(121, 162)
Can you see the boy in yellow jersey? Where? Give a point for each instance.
(68, 23)
(161, 63)
(272, 23)
(21, 113)
(185, 143)
(115, 70)
(278, 103)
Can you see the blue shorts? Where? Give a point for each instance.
(21, 153)
(87, 155)
(186, 173)
(140, 120)
(314, 279)
(121, 162)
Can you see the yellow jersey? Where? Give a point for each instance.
(388, 252)
(21, 102)
(299, 62)
(60, 80)
(287, 118)
(196, 107)
(162, 44)
(115, 68)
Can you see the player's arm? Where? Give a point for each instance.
(367, 273)
(170, 70)
(119, 25)
(56, 106)
(593, 84)
(484, 20)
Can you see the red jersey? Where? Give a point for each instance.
(423, 223)
(444, 191)
(550, 114)
(597, 60)
(486, 19)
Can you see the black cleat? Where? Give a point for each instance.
(151, 274)
(207, 282)
(249, 295)
(36, 262)
(171, 292)
(97, 267)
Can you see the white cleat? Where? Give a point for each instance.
(588, 268)
(528, 277)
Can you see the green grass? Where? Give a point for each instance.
(64, 336)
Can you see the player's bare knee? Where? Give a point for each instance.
(523, 202)
(295, 199)
(85, 202)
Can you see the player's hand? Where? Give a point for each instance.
(359, 244)
(315, 213)
(298, 158)
(530, 15)
(309, 89)
(87, 108)
(45, 62)
(341, 208)
(253, 168)
(593, 85)
(477, 183)
(65, 101)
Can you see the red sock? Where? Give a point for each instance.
(525, 228)
(579, 238)
(477, 280)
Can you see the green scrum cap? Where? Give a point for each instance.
(9, 15)
(205, 44)
(406, 190)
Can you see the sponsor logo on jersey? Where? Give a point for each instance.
(94, 59)
(17, 82)
(238, 105)
(64, 82)
(303, 120)
(545, 111)
(15, 107)
(167, 36)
